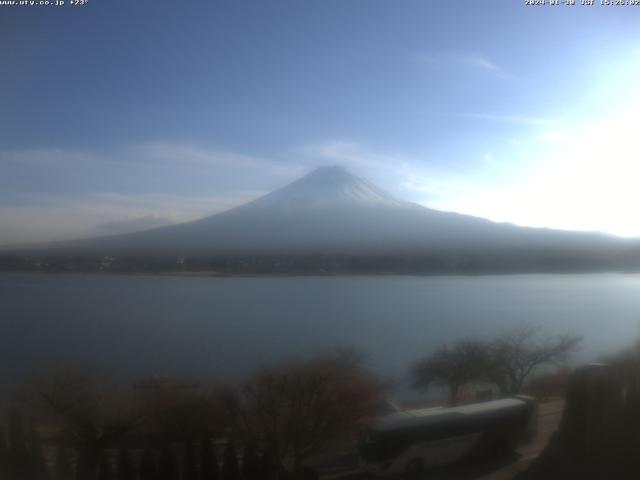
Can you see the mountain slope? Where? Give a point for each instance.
(332, 212)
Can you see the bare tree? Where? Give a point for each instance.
(455, 366)
(89, 414)
(180, 411)
(295, 411)
(506, 361)
(517, 354)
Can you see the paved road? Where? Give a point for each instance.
(550, 415)
(497, 469)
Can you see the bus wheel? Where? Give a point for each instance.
(414, 466)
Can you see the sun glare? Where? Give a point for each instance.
(581, 177)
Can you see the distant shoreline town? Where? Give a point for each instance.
(315, 265)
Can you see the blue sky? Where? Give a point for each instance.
(121, 115)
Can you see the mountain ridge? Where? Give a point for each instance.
(331, 212)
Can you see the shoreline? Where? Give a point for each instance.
(219, 274)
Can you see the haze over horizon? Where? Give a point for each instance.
(123, 116)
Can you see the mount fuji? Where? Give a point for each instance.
(333, 212)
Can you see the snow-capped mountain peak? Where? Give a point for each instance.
(327, 186)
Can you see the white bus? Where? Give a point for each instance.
(414, 440)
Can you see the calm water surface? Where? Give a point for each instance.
(226, 327)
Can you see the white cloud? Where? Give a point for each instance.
(184, 156)
(517, 119)
(50, 218)
(151, 154)
(53, 194)
(403, 175)
(474, 61)
(387, 169)
(471, 61)
(352, 155)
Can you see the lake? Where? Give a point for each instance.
(224, 328)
